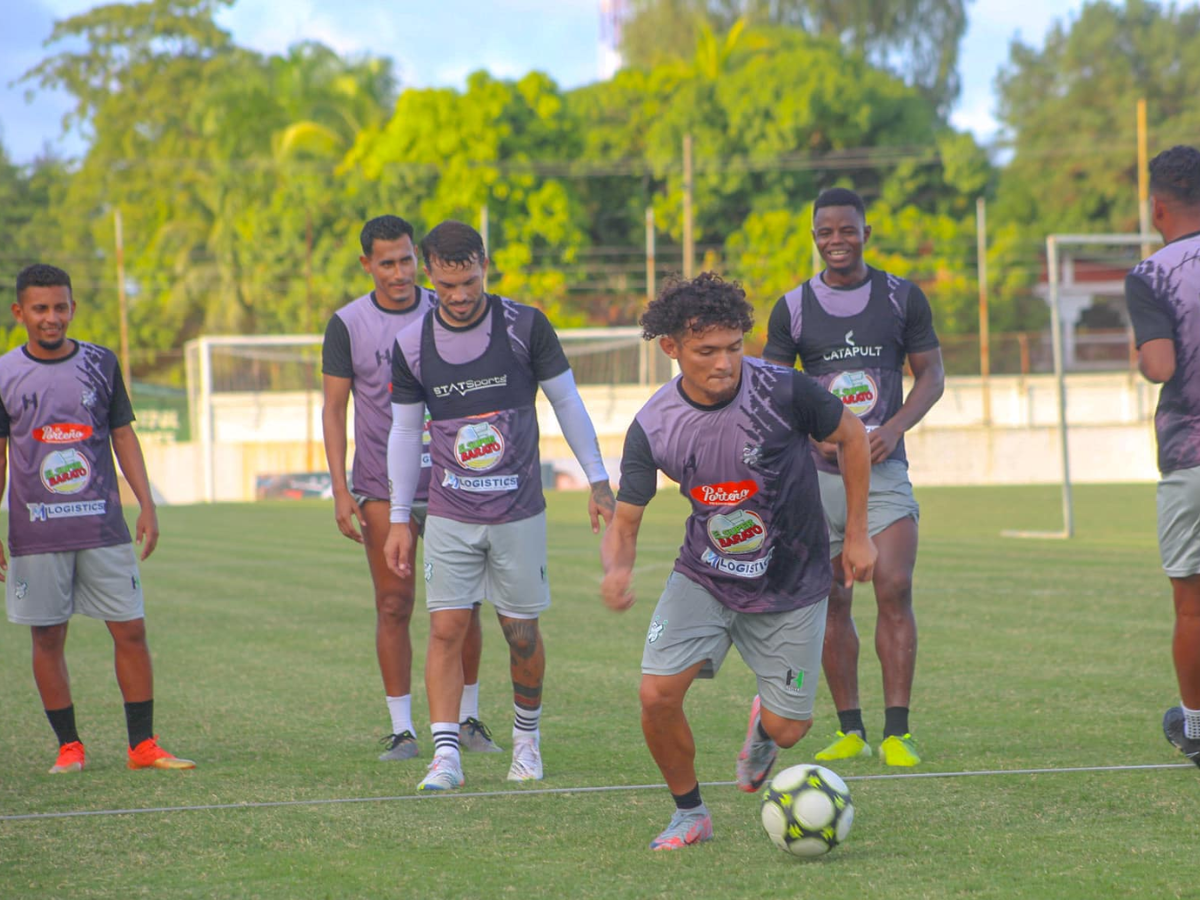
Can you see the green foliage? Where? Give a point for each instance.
(1070, 112)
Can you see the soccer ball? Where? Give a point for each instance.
(806, 810)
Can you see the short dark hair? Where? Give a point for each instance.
(41, 275)
(840, 197)
(383, 228)
(1176, 173)
(453, 243)
(706, 301)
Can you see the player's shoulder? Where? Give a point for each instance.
(653, 408)
(353, 306)
(95, 353)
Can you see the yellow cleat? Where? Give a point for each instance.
(148, 755)
(847, 746)
(899, 750)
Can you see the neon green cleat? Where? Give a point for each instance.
(847, 746)
(899, 750)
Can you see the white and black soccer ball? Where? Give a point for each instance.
(806, 810)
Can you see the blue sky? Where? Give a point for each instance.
(439, 44)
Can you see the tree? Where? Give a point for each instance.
(918, 39)
(1069, 113)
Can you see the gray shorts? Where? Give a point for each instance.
(783, 649)
(505, 564)
(48, 588)
(418, 513)
(890, 500)
(1179, 522)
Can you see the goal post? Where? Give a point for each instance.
(1054, 244)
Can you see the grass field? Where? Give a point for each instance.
(1033, 655)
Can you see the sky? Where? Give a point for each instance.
(432, 45)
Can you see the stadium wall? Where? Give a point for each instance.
(1111, 436)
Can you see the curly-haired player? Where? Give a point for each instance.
(754, 570)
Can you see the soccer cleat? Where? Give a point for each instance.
(1172, 728)
(445, 774)
(473, 735)
(148, 755)
(526, 760)
(847, 746)
(687, 827)
(399, 746)
(899, 750)
(757, 756)
(70, 759)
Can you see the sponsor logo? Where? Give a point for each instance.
(857, 391)
(739, 532)
(462, 388)
(383, 356)
(426, 462)
(135, 583)
(751, 456)
(28, 400)
(727, 493)
(62, 433)
(43, 512)
(88, 397)
(478, 447)
(656, 630)
(65, 472)
(481, 484)
(755, 568)
(794, 682)
(852, 349)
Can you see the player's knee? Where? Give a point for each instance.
(48, 638)
(657, 697)
(394, 608)
(788, 732)
(893, 590)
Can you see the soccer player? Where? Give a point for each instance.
(357, 358)
(852, 327)
(1163, 293)
(476, 363)
(64, 412)
(754, 569)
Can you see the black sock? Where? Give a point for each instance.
(895, 721)
(63, 723)
(690, 800)
(851, 720)
(762, 732)
(139, 719)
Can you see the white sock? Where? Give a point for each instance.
(1191, 723)
(401, 710)
(526, 722)
(445, 740)
(469, 707)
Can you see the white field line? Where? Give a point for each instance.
(274, 804)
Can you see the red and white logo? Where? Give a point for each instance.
(727, 493)
(62, 433)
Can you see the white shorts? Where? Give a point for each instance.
(504, 564)
(48, 588)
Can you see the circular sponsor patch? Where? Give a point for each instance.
(478, 447)
(740, 531)
(857, 391)
(65, 472)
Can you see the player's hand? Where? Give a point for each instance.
(398, 549)
(601, 504)
(883, 441)
(616, 590)
(858, 560)
(347, 511)
(3, 565)
(827, 449)
(147, 530)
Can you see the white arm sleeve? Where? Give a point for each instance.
(576, 424)
(404, 457)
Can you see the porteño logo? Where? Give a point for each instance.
(62, 433)
(726, 493)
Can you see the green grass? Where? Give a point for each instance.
(1033, 655)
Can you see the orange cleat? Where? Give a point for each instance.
(70, 759)
(148, 755)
